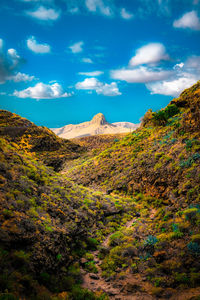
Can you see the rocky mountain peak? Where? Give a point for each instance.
(99, 119)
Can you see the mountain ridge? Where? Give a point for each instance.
(98, 125)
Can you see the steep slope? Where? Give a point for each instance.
(160, 159)
(159, 165)
(24, 134)
(98, 125)
(138, 239)
(46, 225)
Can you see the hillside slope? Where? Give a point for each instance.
(159, 166)
(47, 224)
(28, 137)
(121, 221)
(160, 159)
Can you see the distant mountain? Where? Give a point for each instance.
(98, 125)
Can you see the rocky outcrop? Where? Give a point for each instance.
(98, 125)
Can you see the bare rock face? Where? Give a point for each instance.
(99, 119)
(98, 125)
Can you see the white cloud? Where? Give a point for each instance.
(42, 91)
(109, 89)
(125, 14)
(193, 62)
(1, 44)
(140, 75)
(173, 87)
(9, 62)
(34, 46)
(87, 60)
(13, 54)
(98, 86)
(94, 73)
(19, 77)
(177, 66)
(14, 57)
(88, 84)
(148, 54)
(188, 20)
(183, 76)
(77, 47)
(73, 10)
(44, 14)
(98, 6)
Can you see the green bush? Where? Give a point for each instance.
(92, 243)
(161, 117)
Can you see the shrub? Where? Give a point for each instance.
(191, 214)
(181, 278)
(116, 238)
(92, 243)
(79, 293)
(194, 248)
(161, 117)
(90, 267)
(151, 240)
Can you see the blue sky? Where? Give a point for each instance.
(64, 61)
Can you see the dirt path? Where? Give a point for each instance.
(95, 282)
(134, 286)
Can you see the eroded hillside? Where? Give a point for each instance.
(121, 221)
(160, 159)
(41, 141)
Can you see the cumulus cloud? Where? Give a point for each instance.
(88, 84)
(94, 73)
(159, 80)
(98, 6)
(188, 20)
(172, 87)
(193, 63)
(19, 77)
(140, 74)
(42, 91)
(44, 14)
(73, 10)
(180, 65)
(109, 89)
(87, 60)
(98, 86)
(77, 47)
(34, 46)
(125, 14)
(183, 76)
(9, 62)
(1, 44)
(14, 57)
(148, 54)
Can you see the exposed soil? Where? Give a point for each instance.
(116, 290)
(134, 286)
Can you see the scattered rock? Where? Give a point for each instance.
(112, 292)
(94, 276)
(131, 288)
(107, 279)
(83, 261)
